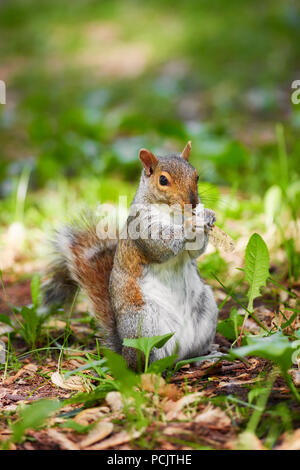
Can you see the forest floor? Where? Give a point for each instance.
(200, 407)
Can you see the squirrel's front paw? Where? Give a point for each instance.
(209, 219)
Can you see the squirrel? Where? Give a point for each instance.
(142, 286)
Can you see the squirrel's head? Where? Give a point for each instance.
(171, 179)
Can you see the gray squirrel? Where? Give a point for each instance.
(144, 285)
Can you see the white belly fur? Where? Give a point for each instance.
(173, 290)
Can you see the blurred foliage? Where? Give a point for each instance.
(89, 84)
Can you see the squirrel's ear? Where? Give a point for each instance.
(187, 150)
(148, 160)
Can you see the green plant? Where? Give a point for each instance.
(256, 267)
(212, 263)
(127, 382)
(256, 272)
(30, 327)
(276, 348)
(293, 257)
(33, 416)
(146, 344)
(230, 326)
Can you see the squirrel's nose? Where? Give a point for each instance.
(193, 200)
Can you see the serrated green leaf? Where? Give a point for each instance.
(257, 263)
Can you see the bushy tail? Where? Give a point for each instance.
(83, 260)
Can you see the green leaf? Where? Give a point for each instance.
(229, 327)
(80, 428)
(125, 377)
(127, 382)
(276, 348)
(30, 326)
(255, 393)
(91, 398)
(159, 366)
(33, 416)
(146, 344)
(35, 290)
(86, 366)
(5, 319)
(256, 266)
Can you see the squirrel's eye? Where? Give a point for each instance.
(163, 180)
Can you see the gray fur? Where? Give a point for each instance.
(60, 287)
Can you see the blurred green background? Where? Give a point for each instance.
(90, 82)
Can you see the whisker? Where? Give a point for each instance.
(219, 201)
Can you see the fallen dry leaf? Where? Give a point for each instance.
(98, 433)
(173, 431)
(155, 384)
(290, 441)
(88, 416)
(12, 446)
(114, 400)
(251, 326)
(231, 383)
(172, 392)
(206, 368)
(76, 363)
(116, 440)
(74, 382)
(173, 408)
(28, 369)
(213, 416)
(295, 373)
(56, 324)
(62, 440)
(4, 329)
(152, 383)
(3, 392)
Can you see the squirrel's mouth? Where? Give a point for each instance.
(191, 203)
